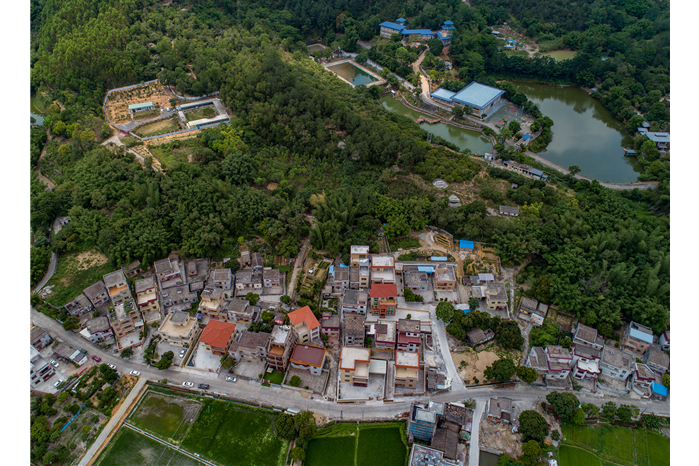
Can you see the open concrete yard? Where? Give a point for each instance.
(375, 390)
(315, 383)
(249, 369)
(204, 360)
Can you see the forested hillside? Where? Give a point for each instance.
(601, 254)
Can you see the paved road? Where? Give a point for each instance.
(457, 384)
(49, 273)
(474, 449)
(298, 266)
(254, 393)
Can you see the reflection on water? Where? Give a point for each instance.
(584, 133)
(462, 138)
(353, 74)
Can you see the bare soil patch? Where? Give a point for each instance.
(116, 108)
(499, 436)
(475, 364)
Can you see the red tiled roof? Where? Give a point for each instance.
(217, 333)
(384, 290)
(308, 355)
(302, 315)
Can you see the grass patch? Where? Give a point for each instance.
(130, 447)
(158, 127)
(574, 456)
(75, 272)
(275, 377)
(517, 53)
(340, 449)
(284, 268)
(386, 440)
(165, 416)
(233, 434)
(405, 242)
(200, 113)
(169, 156)
(621, 445)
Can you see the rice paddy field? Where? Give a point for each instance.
(132, 448)
(614, 445)
(349, 444)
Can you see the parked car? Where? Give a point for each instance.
(54, 363)
(57, 383)
(136, 373)
(231, 379)
(183, 352)
(96, 358)
(203, 386)
(188, 384)
(112, 366)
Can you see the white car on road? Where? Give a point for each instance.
(54, 363)
(112, 366)
(231, 379)
(188, 384)
(136, 373)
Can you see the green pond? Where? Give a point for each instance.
(315, 48)
(463, 138)
(353, 74)
(561, 55)
(584, 133)
(36, 114)
(487, 459)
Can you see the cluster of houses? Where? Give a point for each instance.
(389, 28)
(638, 361)
(172, 290)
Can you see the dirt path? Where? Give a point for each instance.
(44, 179)
(298, 266)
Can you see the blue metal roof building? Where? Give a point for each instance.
(388, 29)
(444, 95)
(465, 244)
(477, 96)
(422, 32)
(400, 20)
(659, 389)
(637, 334)
(526, 137)
(425, 268)
(439, 258)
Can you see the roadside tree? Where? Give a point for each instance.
(533, 426)
(501, 370)
(445, 312)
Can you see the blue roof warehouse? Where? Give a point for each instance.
(479, 97)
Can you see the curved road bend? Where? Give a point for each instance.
(49, 273)
(254, 393)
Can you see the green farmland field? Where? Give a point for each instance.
(235, 435)
(613, 444)
(340, 449)
(166, 416)
(387, 440)
(130, 447)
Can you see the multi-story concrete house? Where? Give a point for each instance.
(245, 259)
(353, 330)
(588, 336)
(38, 338)
(125, 318)
(330, 326)
(415, 280)
(309, 358)
(664, 340)
(40, 369)
(617, 363)
(168, 273)
(178, 298)
(257, 262)
(217, 337)
(409, 335)
(97, 294)
(496, 296)
(383, 299)
(340, 279)
(280, 346)
(637, 338)
(358, 253)
(642, 378)
(586, 362)
(444, 278)
(354, 277)
(238, 310)
(355, 302)
(559, 360)
(179, 328)
(657, 360)
(424, 418)
(98, 329)
(383, 269)
(306, 326)
(500, 410)
(533, 311)
(385, 334)
(407, 369)
(222, 278)
(354, 365)
(146, 295)
(251, 346)
(364, 274)
(117, 287)
(271, 277)
(247, 281)
(211, 304)
(197, 272)
(79, 306)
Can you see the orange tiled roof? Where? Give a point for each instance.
(217, 333)
(384, 290)
(302, 315)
